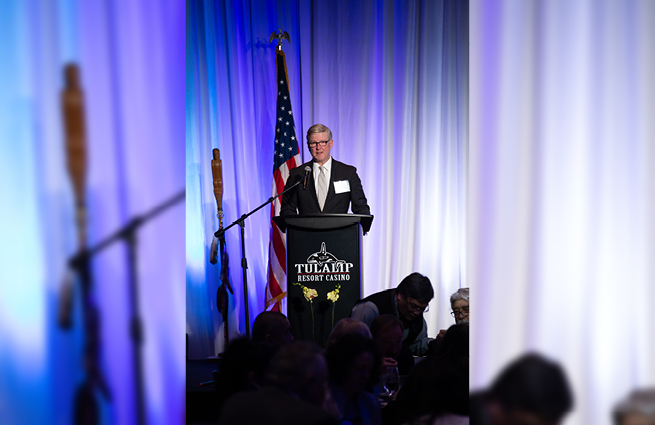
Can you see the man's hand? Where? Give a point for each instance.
(387, 362)
(442, 333)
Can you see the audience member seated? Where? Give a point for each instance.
(454, 348)
(272, 328)
(530, 390)
(459, 303)
(297, 390)
(347, 326)
(244, 363)
(353, 362)
(637, 409)
(408, 302)
(387, 332)
(243, 367)
(436, 391)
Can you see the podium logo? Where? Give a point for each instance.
(323, 266)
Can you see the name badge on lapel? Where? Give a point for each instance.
(341, 186)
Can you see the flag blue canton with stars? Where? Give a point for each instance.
(286, 144)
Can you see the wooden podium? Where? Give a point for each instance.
(324, 272)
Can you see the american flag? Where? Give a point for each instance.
(286, 157)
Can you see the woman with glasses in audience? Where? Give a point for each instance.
(459, 303)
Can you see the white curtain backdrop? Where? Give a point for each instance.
(130, 55)
(562, 193)
(389, 78)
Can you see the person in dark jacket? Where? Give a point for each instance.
(408, 302)
(329, 186)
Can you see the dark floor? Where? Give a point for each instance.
(201, 401)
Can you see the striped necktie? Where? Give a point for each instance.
(322, 187)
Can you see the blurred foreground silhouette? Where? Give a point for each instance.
(531, 390)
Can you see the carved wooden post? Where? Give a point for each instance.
(217, 173)
(221, 295)
(75, 131)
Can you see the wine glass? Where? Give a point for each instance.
(390, 381)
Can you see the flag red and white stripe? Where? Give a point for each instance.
(286, 157)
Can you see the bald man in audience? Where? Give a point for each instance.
(272, 328)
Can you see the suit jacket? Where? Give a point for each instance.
(385, 303)
(304, 200)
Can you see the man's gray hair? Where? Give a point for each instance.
(319, 128)
(346, 326)
(461, 294)
(293, 363)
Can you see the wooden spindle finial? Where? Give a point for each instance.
(72, 99)
(217, 173)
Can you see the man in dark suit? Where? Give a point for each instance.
(331, 186)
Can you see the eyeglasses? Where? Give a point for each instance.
(463, 312)
(312, 145)
(413, 307)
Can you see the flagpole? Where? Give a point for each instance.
(286, 157)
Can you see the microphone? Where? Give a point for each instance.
(307, 170)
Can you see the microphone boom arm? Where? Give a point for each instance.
(241, 219)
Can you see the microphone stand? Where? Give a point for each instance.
(241, 221)
(81, 262)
